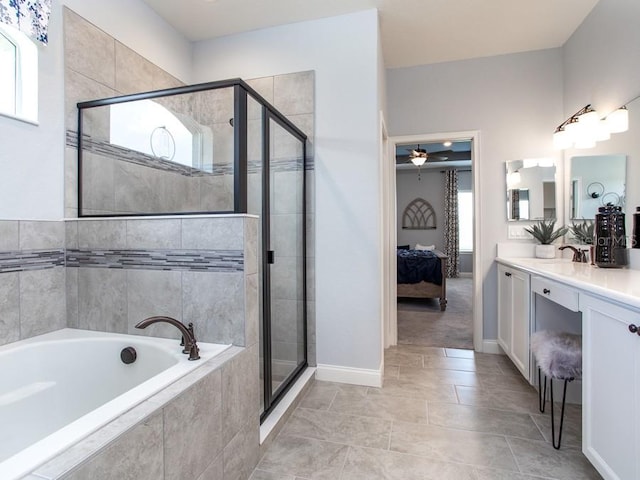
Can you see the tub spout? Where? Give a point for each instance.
(578, 255)
(190, 345)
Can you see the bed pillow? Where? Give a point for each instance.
(404, 247)
(425, 247)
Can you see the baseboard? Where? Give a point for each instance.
(354, 376)
(491, 346)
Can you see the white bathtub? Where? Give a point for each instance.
(57, 388)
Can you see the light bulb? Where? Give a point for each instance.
(618, 120)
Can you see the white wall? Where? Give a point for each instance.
(430, 187)
(32, 157)
(343, 51)
(515, 101)
(602, 67)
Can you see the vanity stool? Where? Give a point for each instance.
(559, 357)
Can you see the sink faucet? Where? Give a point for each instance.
(189, 339)
(578, 255)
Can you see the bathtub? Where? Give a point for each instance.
(57, 388)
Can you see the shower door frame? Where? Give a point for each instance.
(270, 398)
(240, 162)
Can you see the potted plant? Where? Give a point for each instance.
(583, 232)
(546, 233)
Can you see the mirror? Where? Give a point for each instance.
(531, 189)
(594, 181)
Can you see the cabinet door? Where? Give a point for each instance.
(520, 316)
(505, 310)
(610, 388)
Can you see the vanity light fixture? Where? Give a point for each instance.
(585, 127)
(447, 144)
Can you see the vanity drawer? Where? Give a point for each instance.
(560, 294)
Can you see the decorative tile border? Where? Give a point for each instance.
(26, 260)
(181, 260)
(104, 148)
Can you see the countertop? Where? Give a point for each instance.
(621, 285)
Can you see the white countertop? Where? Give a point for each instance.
(621, 285)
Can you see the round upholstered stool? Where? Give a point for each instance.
(559, 357)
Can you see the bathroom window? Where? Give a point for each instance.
(18, 75)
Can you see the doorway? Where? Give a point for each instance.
(430, 321)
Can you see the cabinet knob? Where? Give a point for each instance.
(507, 274)
(546, 291)
(634, 329)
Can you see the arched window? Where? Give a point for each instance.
(18, 75)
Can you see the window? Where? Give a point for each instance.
(8, 54)
(18, 75)
(465, 221)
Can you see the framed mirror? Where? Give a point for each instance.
(595, 181)
(531, 189)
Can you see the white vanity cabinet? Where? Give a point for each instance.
(611, 388)
(513, 315)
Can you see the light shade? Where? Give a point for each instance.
(418, 161)
(562, 140)
(618, 120)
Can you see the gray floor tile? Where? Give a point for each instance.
(404, 388)
(391, 371)
(485, 420)
(321, 394)
(523, 402)
(397, 357)
(422, 350)
(372, 464)
(263, 475)
(459, 353)
(464, 364)
(303, 457)
(492, 474)
(335, 427)
(506, 381)
(451, 445)
(379, 406)
(435, 377)
(540, 458)
(572, 428)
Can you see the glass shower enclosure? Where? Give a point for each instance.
(210, 148)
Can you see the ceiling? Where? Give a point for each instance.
(414, 32)
(439, 155)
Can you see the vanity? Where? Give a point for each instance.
(604, 306)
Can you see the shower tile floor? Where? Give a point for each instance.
(442, 414)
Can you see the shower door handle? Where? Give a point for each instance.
(270, 257)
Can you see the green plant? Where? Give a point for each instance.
(545, 231)
(583, 232)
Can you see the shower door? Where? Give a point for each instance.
(276, 192)
(284, 322)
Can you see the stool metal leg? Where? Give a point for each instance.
(542, 396)
(553, 423)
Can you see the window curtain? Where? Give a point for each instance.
(31, 17)
(451, 244)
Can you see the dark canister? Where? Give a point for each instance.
(610, 238)
(635, 240)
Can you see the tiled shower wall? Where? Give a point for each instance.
(98, 66)
(32, 279)
(200, 270)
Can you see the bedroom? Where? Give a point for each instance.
(438, 311)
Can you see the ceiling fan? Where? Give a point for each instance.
(418, 156)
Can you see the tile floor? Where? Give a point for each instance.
(442, 414)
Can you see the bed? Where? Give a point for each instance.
(422, 274)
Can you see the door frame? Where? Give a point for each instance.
(391, 337)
